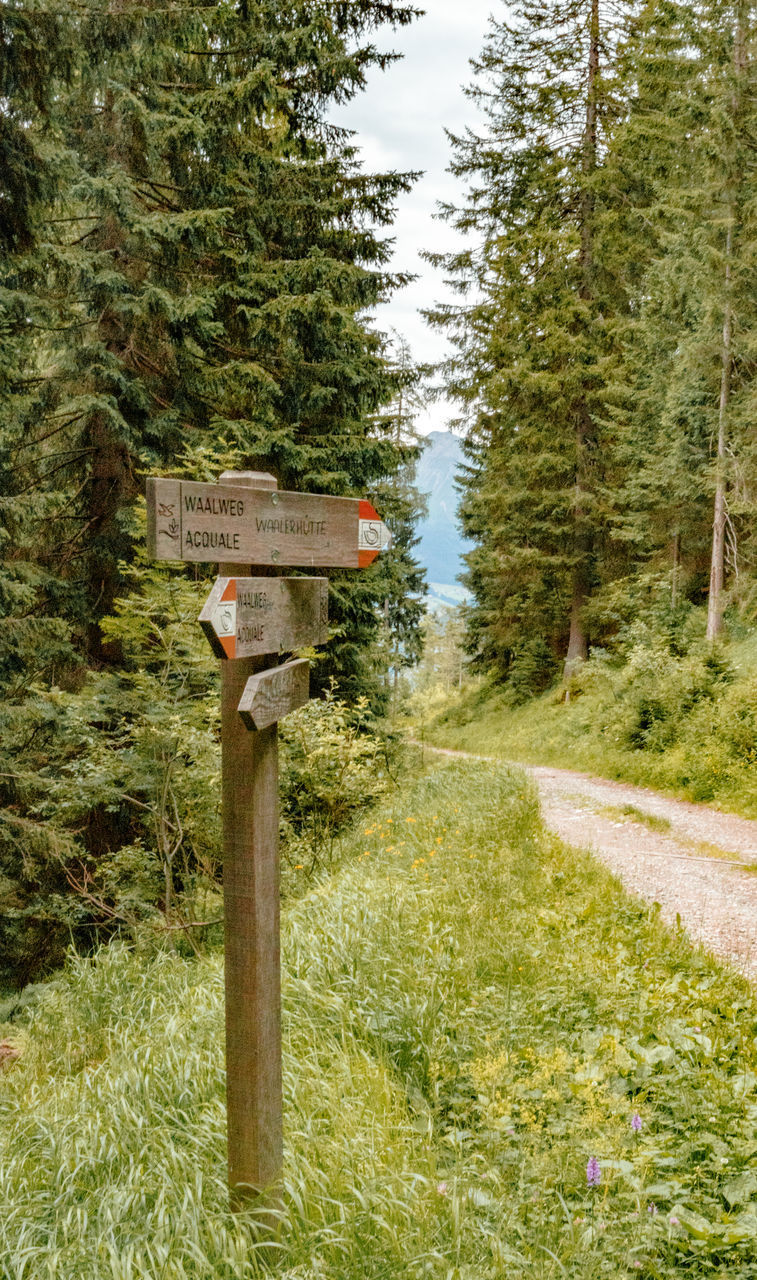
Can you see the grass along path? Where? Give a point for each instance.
(696, 863)
(681, 732)
(473, 1012)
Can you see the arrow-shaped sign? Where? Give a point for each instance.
(191, 521)
(245, 617)
(271, 695)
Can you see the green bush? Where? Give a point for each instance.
(532, 670)
(333, 765)
(646, 711)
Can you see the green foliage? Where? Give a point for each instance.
(533, 669)
(191, 253)
(604, 337)
(332, 767)
(117, 780)
(536, 330)
(661, 713)
(463, 1031)
(122, 793)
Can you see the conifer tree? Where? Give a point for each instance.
(690, 358)
(403, 578)
(222, 255)
(36, 49)
(535, 336)
(206, 259)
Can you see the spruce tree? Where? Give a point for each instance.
(223, 256)
(534, 331)
(690, 354)
(206, 261)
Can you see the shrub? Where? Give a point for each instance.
(333, 764)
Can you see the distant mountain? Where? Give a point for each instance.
(442, 596)
(442, 544)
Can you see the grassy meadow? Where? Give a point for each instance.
(685, 724)
(472, 1014)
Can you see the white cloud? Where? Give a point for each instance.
(399, 124)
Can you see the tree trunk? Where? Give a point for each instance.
(717, 559)
(111, 487)
(578, 645)
(676, 567)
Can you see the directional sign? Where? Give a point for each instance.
(272, 694)
(191, 521)
(245, 617)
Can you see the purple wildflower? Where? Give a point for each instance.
(636, 1122)
(593, 1172)
(652, 1208)
(674, 1222)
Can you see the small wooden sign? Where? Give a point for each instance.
(246, 617)
(187, 520)
(270, 695)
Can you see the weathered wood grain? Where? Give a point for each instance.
(270, 695)
(164, 518)
(201, 522)
(245, 617)
(251, 924)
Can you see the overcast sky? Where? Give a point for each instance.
(400, 124)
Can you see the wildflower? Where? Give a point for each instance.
(652, 1208)
(593, 1172)
(298, 866)
(442, 1188)
(674, 1222)
(636, 1122)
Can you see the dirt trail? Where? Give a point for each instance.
(697, 863)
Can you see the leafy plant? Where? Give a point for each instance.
(333, 765)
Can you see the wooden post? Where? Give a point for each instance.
(187, 520)
(251, 913)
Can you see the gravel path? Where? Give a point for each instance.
(688, 866)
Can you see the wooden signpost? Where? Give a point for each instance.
(272, 694)
(244, 617)
(228, 521)
(250, 616)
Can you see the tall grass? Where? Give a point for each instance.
(684, 724)
(471, 1012)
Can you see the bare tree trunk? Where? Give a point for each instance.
(717, 560)
(578, 646)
